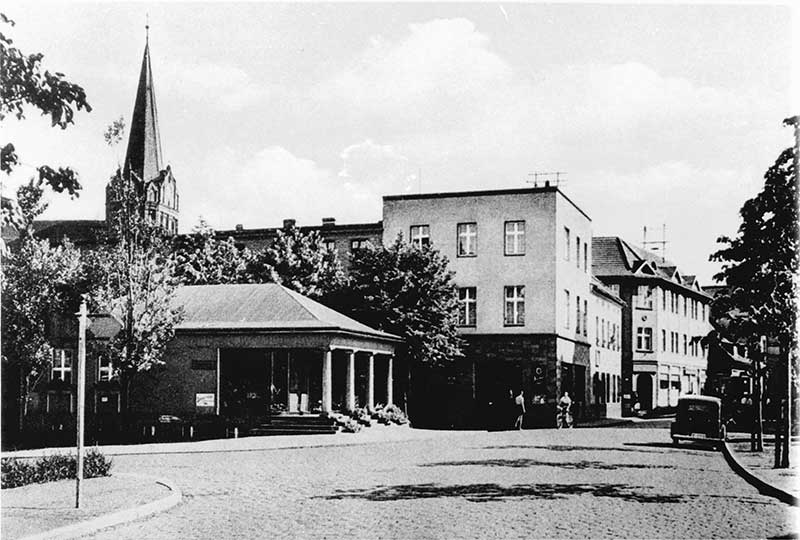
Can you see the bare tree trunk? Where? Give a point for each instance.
(757, 429)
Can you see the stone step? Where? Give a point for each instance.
(292, 430)
(301, 420)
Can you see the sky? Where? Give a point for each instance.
(661, 116)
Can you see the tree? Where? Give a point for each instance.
(136, 282)
(408, 291)
(760, 264)
(27, 84)
(201, 259)
(301, 262)
(137, 285)
(38, 281)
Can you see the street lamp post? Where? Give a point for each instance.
(81, 373)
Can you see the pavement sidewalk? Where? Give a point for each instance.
(42, 510)
(761, 464)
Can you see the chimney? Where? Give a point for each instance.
(239, 227)
(288, 223)
(328, 222)
(547, 183)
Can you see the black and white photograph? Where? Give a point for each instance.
(399, 270)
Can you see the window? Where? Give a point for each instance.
(358, 243)
(515, 238)
(644, 297)
(597, 330)
(644, 339)
(585, 257)
(467, 313)
(704, 313)
(603, 342)
(515, 305)
(663, 300)
(578, 251)
(420, 235)
(664, 340)
(566, 243)
(685, 346)
(105, 369)
(685, 307)
(330, 245)
(578, 315)
(62, 365)
(567, 311)
(467, 244)
(607, 386)
(585, 316)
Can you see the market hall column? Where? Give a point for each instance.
(351, 381)
(327, 376)
(389, 382)
(371, 382)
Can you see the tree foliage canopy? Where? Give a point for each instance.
(760, 264)
(301, 262)
(201, 259)
(27, 84)
(406, 291)
(38, 281)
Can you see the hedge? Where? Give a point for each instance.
(20, 472)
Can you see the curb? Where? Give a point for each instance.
(763, 487)
(116, 518)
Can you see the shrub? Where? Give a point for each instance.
(351, 426)
(395, 414)
(20, 472)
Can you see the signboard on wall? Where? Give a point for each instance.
(204, 401)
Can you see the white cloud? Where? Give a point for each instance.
(226, 87)
(367, 162)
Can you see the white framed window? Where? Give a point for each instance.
(586, 257)
(644, 339)
(566, 243)
(597, 330)
(467, 312)
(568, 309)
(514, 238)
(515, 305)
(685, 345)
(664, 299)
(578, 251)
(585, 317)
(644, 297)
(105, 369)
(577, 314)
(358, 243)
(664, 340)
(467, 245)
(603, 326)
(420, 235)
(62, 365)
(330, 245)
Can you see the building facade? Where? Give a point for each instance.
(604, 332)
(663, 323)
(522, 260)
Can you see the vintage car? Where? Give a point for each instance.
(698, 418)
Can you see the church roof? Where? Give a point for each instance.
(264, 307)
(144, 155)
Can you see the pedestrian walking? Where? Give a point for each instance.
(520, 404)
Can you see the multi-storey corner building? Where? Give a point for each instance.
(522, 262)
(665, 317)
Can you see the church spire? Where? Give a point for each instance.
(144, 156)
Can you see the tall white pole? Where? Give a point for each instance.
(81, 373)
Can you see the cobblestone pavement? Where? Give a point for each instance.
(581, 483)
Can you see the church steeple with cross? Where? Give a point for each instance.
(144, 161)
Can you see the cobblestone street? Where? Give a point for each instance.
(597, 483)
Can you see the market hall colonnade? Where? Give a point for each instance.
(254, 382)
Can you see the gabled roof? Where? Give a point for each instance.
(614, 257)
(144, 143)
(79, 231)
(264, 307)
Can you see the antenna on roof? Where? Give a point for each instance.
(547, 176)
(657, 245)
(147, 27)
